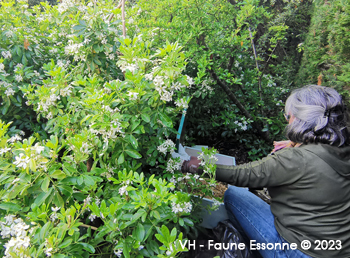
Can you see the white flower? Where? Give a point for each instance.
(18, 78)
(118, 252)
(18, 67)
(166, 95)
(38, 148)
(65, 5)
(122, 190)
(185, 207)
(182, 103)
(87, 41)
(92, 217)
(132, 95)
(55, 209)
(111, 56)
(4, 150)
(158, 80)
(85, 148)
(6, 54)
(2, 67)
(53, 216)
(9, 219)
(149, 76)
(189, 80)
(21, 161)
(168, 253)
(48, 252)
(36, 73)
(168, 145)
(9, 92)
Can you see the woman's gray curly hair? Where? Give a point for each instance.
(319, 116)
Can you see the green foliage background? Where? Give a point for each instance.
(327, 47)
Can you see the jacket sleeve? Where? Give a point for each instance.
(282, 168)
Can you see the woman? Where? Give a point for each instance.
(309, 183)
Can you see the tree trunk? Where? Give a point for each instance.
(258, 128)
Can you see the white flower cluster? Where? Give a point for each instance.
(21, 161)
(173, 165)
(4, 150)
(87, 201)
(85, 148)
(109, 109)
(18, 67)
(206, 159)
(162, 89)
(66, 92)
(65, 5)
(182, 103)
(110, 172)
(18, 78)
(51, 101)
(122, 190)
(2, 67)
(60, 63)
(190, 80)
(243, 126)
(9, 92)
(126, 66)
(53, 215)
(15, 229)
(14, 138)
(72, 49)
(132, 95)
(205, 87)
(185, 207)
(9, 33)
(166, 146)
(6, 54)
(112, 133)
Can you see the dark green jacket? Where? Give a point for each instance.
(310, 192)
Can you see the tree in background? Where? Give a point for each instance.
(327, 47)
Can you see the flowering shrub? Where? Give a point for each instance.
(76, 36)
(49, 208)
(94, 110)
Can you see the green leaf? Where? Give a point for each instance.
(181, 222)
(121, 159)
(44, 231)
(165, 119)
(146, 118)
(188, 222)
(133, 154)
(58, 174)
(45, 184)
(88, 247)
(9, 206)
(139, 232)
(79, 27)
(65, 243)
(42, 197)
(66, 190)
(58, 200)
(88, 180)
(131, 139)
